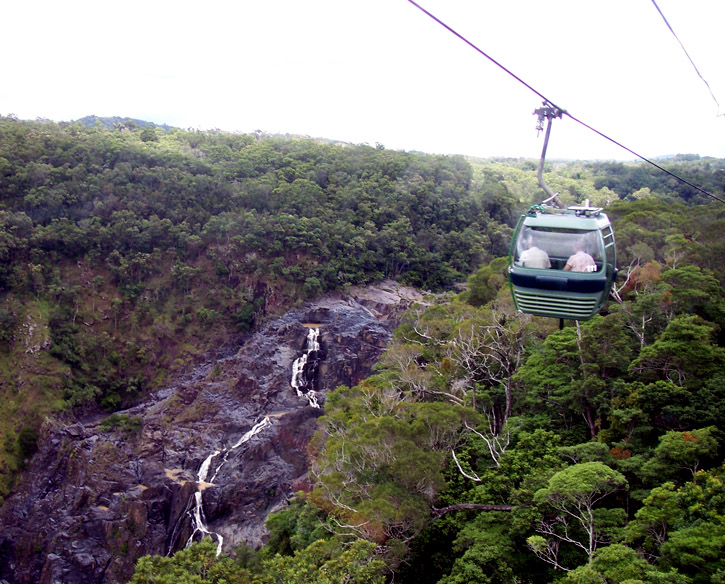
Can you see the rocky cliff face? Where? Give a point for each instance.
(100, 493)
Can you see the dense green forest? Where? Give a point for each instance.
(489, 446)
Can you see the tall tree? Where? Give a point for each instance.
(573, 494)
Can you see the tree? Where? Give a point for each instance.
(326, 562)
(682, 451)
(573, 494)
(619, 563)
(380, 461)
(571, 376)
(643, 309)
(197, 564)
(484, 284)
(696, 291)
(148, 134)
(681, 529)
(684, 354)
(294, 528)
(9, 322)
(697, 551)
(487, 553)
(488, 351)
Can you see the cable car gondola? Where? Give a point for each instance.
(562, 262)
(544, 280)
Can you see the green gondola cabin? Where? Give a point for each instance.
(562, 262)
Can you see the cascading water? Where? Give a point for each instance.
(304, 368)
(198, 521)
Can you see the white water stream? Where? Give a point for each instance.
(198, 521)
(303, 387)
(301, 384)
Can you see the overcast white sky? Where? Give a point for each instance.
(381, 70)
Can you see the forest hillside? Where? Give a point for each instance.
(490, 446)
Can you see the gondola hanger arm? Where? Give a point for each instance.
(548, 112)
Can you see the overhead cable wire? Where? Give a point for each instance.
(672, 174)
(475, 48)
(563, 111)
(690, 58)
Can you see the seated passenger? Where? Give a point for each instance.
(581, 261)
(533, 257)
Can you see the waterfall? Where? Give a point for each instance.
(304, 368)
(198, 521)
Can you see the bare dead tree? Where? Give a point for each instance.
(490, 354)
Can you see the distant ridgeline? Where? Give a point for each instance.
(114, 121)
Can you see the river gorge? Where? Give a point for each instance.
(210, 456)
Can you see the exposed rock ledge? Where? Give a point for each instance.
(94, 501)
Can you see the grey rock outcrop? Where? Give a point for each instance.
(99, 494)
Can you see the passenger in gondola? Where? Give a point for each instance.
(581, 261)
(534, 257)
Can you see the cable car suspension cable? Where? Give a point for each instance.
(689, 58)
(563, 111)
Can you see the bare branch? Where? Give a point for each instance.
(616, 290)
(470, 507)
(351, 530)
(475, 477)
(496, 444)
(549, 554)
(438, 513)
(548, 528)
